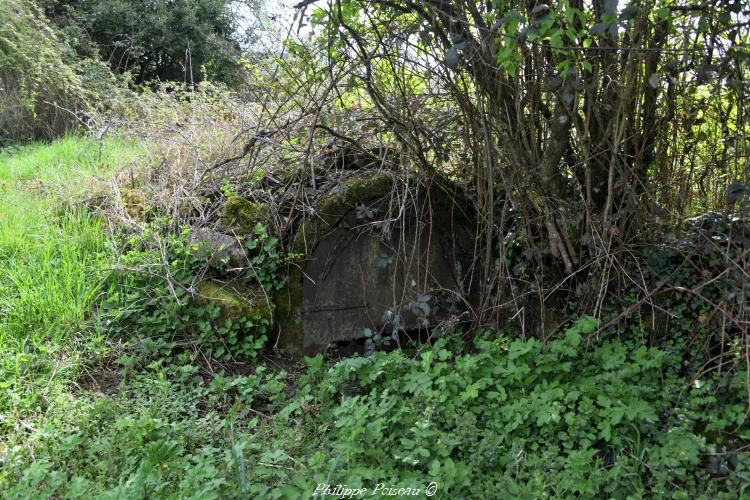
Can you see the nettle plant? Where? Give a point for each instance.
(153, 297)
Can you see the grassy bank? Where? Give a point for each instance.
(52, 266)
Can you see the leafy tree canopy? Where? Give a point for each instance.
(168, 40)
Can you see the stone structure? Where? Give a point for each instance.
(369, 262)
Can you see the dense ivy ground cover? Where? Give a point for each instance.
(515, 418)
(494, 417)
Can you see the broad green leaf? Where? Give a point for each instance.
(599, 28)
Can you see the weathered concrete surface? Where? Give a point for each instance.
(349, 194)
(365, 269)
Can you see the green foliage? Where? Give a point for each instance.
(265, 259)
(52, 265)
(572, 417)
(40, 86)
(611, 416)
(561, 419)
(530, 80)
(154, 439)
(50, 260)
(157, 299)
(184, 41)
(555, 419)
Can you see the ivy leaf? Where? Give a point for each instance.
(451, 58)
(462, 45)
(457, 38)
(599, 28)
(653, 80)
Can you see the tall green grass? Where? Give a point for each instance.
(52, 265)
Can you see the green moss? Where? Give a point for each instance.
(356, 191)
(233, 304)
(241, 215)
(366, 188)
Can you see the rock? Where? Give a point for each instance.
(235, 304)
(217, 248)
(240, 215)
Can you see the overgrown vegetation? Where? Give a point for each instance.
(44, 90)
(53, 266)
(152, 249)
(184, 41)
(220, 325)
(609, 419)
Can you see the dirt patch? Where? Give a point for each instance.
(100, 380)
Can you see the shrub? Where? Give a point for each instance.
(43, 90)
